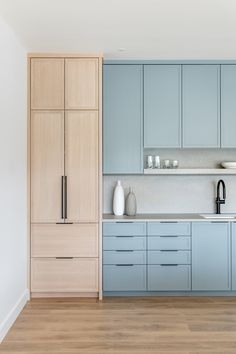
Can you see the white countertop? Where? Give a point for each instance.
(162, 217)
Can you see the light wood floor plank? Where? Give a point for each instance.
(161, 325)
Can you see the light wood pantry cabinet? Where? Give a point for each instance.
(47, 83)
(65, 174)
(81, 83)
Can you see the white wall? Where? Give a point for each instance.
(13, 163)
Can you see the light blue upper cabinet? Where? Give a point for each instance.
(201, 106)
(122, 119)
(228, 106)
(162, 106)
(211, 256)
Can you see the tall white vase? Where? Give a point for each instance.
(118, 200)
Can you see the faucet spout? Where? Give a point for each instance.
(220, 201)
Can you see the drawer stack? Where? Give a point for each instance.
(124, 256)
(64, 258)
(169, 256)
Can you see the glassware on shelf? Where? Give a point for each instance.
(150, 161)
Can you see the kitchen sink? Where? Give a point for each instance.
(218, 216)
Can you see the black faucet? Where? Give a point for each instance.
(220, 201)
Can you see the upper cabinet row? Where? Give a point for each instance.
(166, 106)
(70, 83)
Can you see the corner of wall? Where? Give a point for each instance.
(13, 314)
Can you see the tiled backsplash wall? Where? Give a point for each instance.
(178, 194)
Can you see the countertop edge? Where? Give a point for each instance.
(163, 218)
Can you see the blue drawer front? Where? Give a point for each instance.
(168, 228)
(124, 243)
(169, 278)
(124, 278)
(169, 243)
(124, 229)
(124, 257)
(169, 257)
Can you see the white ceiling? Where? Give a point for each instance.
(160, 29)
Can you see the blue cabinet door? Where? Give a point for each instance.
(171, 277)
(228, 106)
(234, 256)
(122, 119)
(126, 277)
(201, 106)
(162, 106)
(211, 256)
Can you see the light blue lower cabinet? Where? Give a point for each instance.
(124, 229)
(124, 257)
(211, 256)
(169, 243)
(123, 277)
(169, 257)
(169, 277)
(124, 243)
(168, 228)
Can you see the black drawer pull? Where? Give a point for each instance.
(169, 265)
(124, 265)
(124, 222)
(124, 251)
(64, 257)
(169, 222)
(124, 236)
(169, 236)
(169, 250)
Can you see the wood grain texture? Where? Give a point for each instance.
(47, 165)
(81, 85)
(77, 240)
(162, 325)
(81, 165)
(64, 275)
(47, 83)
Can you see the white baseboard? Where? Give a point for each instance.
(13, 314)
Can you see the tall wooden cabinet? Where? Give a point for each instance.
(65, 174)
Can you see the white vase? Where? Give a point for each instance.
(118, 200)
(131, 204)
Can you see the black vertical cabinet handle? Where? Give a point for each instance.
(62, 197)
(65, 197)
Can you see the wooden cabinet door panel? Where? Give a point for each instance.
(64, 275)
(47, 83)
(81, 169)
(75, 240)
(81, 83)
(47, 165)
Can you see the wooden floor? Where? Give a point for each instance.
(161, 325)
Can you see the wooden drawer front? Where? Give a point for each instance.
(169, 278)
(169, 257)
(124, 257)
(168, 228)
(64, 240)
(124, 229)
(124, 278)
(167, 243)
(64, 275)
(127, 243)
